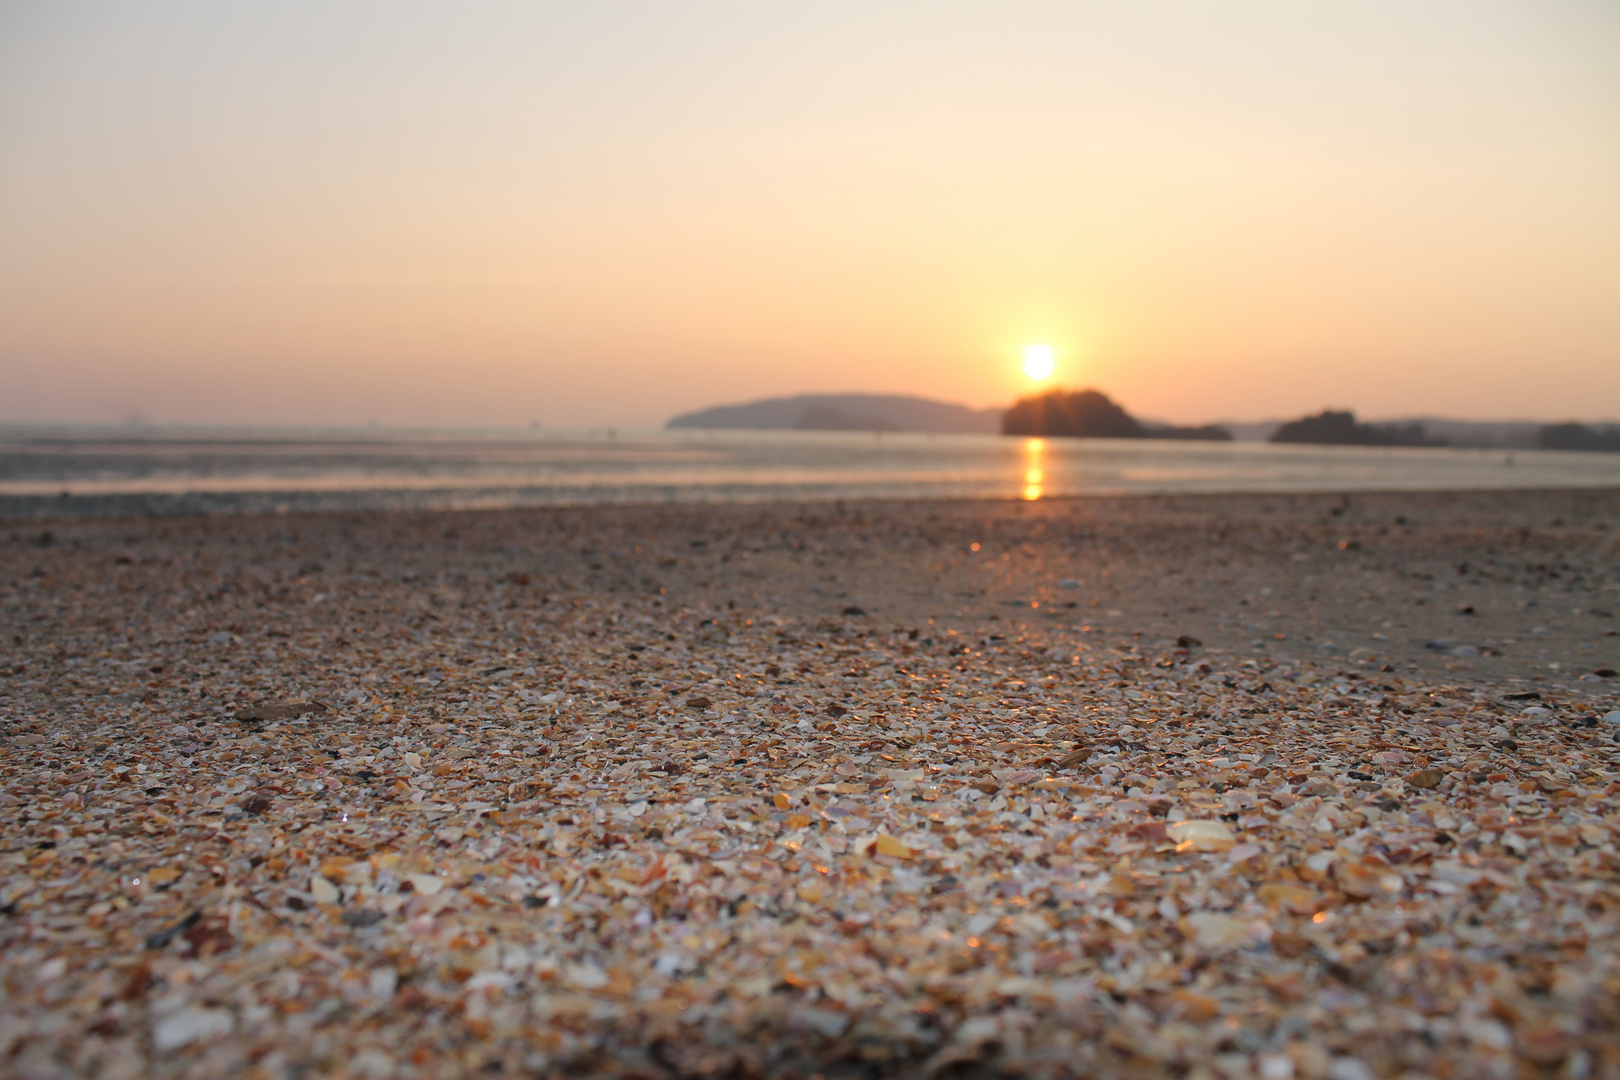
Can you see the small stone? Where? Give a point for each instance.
(1293, 898)
(1541, 1043)
(1348, 1068)
(586, 976)
(1275, 1067)
(1201, 835)
(1193, 1006)
(1425, 778)
(373, 1064)
(1243, 853)
(191, 1025)
(698, 702)
(1213, 931)
(324, 891)
(288, 711)
(425, 884)
(1366, 882)
(162, 938)
(888, 845)
(825, 1022)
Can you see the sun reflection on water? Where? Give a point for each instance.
(1034, 468)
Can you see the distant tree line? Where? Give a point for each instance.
(1090, 414)
(1579, 437)
(1330, 428)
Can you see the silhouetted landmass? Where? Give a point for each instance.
(845, 412)
(1330, 428)
(1579, 437)
(1439, 431)
(827, 418)
(1503, 434)
(1090, 414)
(1084, 414)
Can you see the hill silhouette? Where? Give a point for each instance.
(1579, 437)
(1091, 414)
(1331, 428)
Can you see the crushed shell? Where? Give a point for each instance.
(626, 793)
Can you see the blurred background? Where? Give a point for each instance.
(573, 215)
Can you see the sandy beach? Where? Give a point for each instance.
(1223, 786)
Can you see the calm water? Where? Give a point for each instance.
(94, 472)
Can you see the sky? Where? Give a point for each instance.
(608, 213)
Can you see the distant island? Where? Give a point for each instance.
(846, 412)
(1092, 414)
(1330, 428)
(1580, 437)
(1339, 428)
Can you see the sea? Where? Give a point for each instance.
(93, 472)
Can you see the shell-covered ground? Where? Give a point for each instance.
(1222, 787)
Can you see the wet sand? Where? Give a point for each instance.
(1270, 786)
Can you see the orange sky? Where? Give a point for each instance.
(609, 213)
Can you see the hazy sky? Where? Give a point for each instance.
(607, 212)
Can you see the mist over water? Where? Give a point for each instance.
(58, 473)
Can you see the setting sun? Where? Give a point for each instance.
(1038, 361)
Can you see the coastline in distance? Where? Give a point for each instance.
(1092, 413)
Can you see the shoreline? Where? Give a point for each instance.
(786, 789)
(176, 478)
(383, 499)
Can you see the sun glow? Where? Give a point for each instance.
(1038, 361)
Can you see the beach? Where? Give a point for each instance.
(1264, 785)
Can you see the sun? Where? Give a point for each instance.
(1038, 361)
